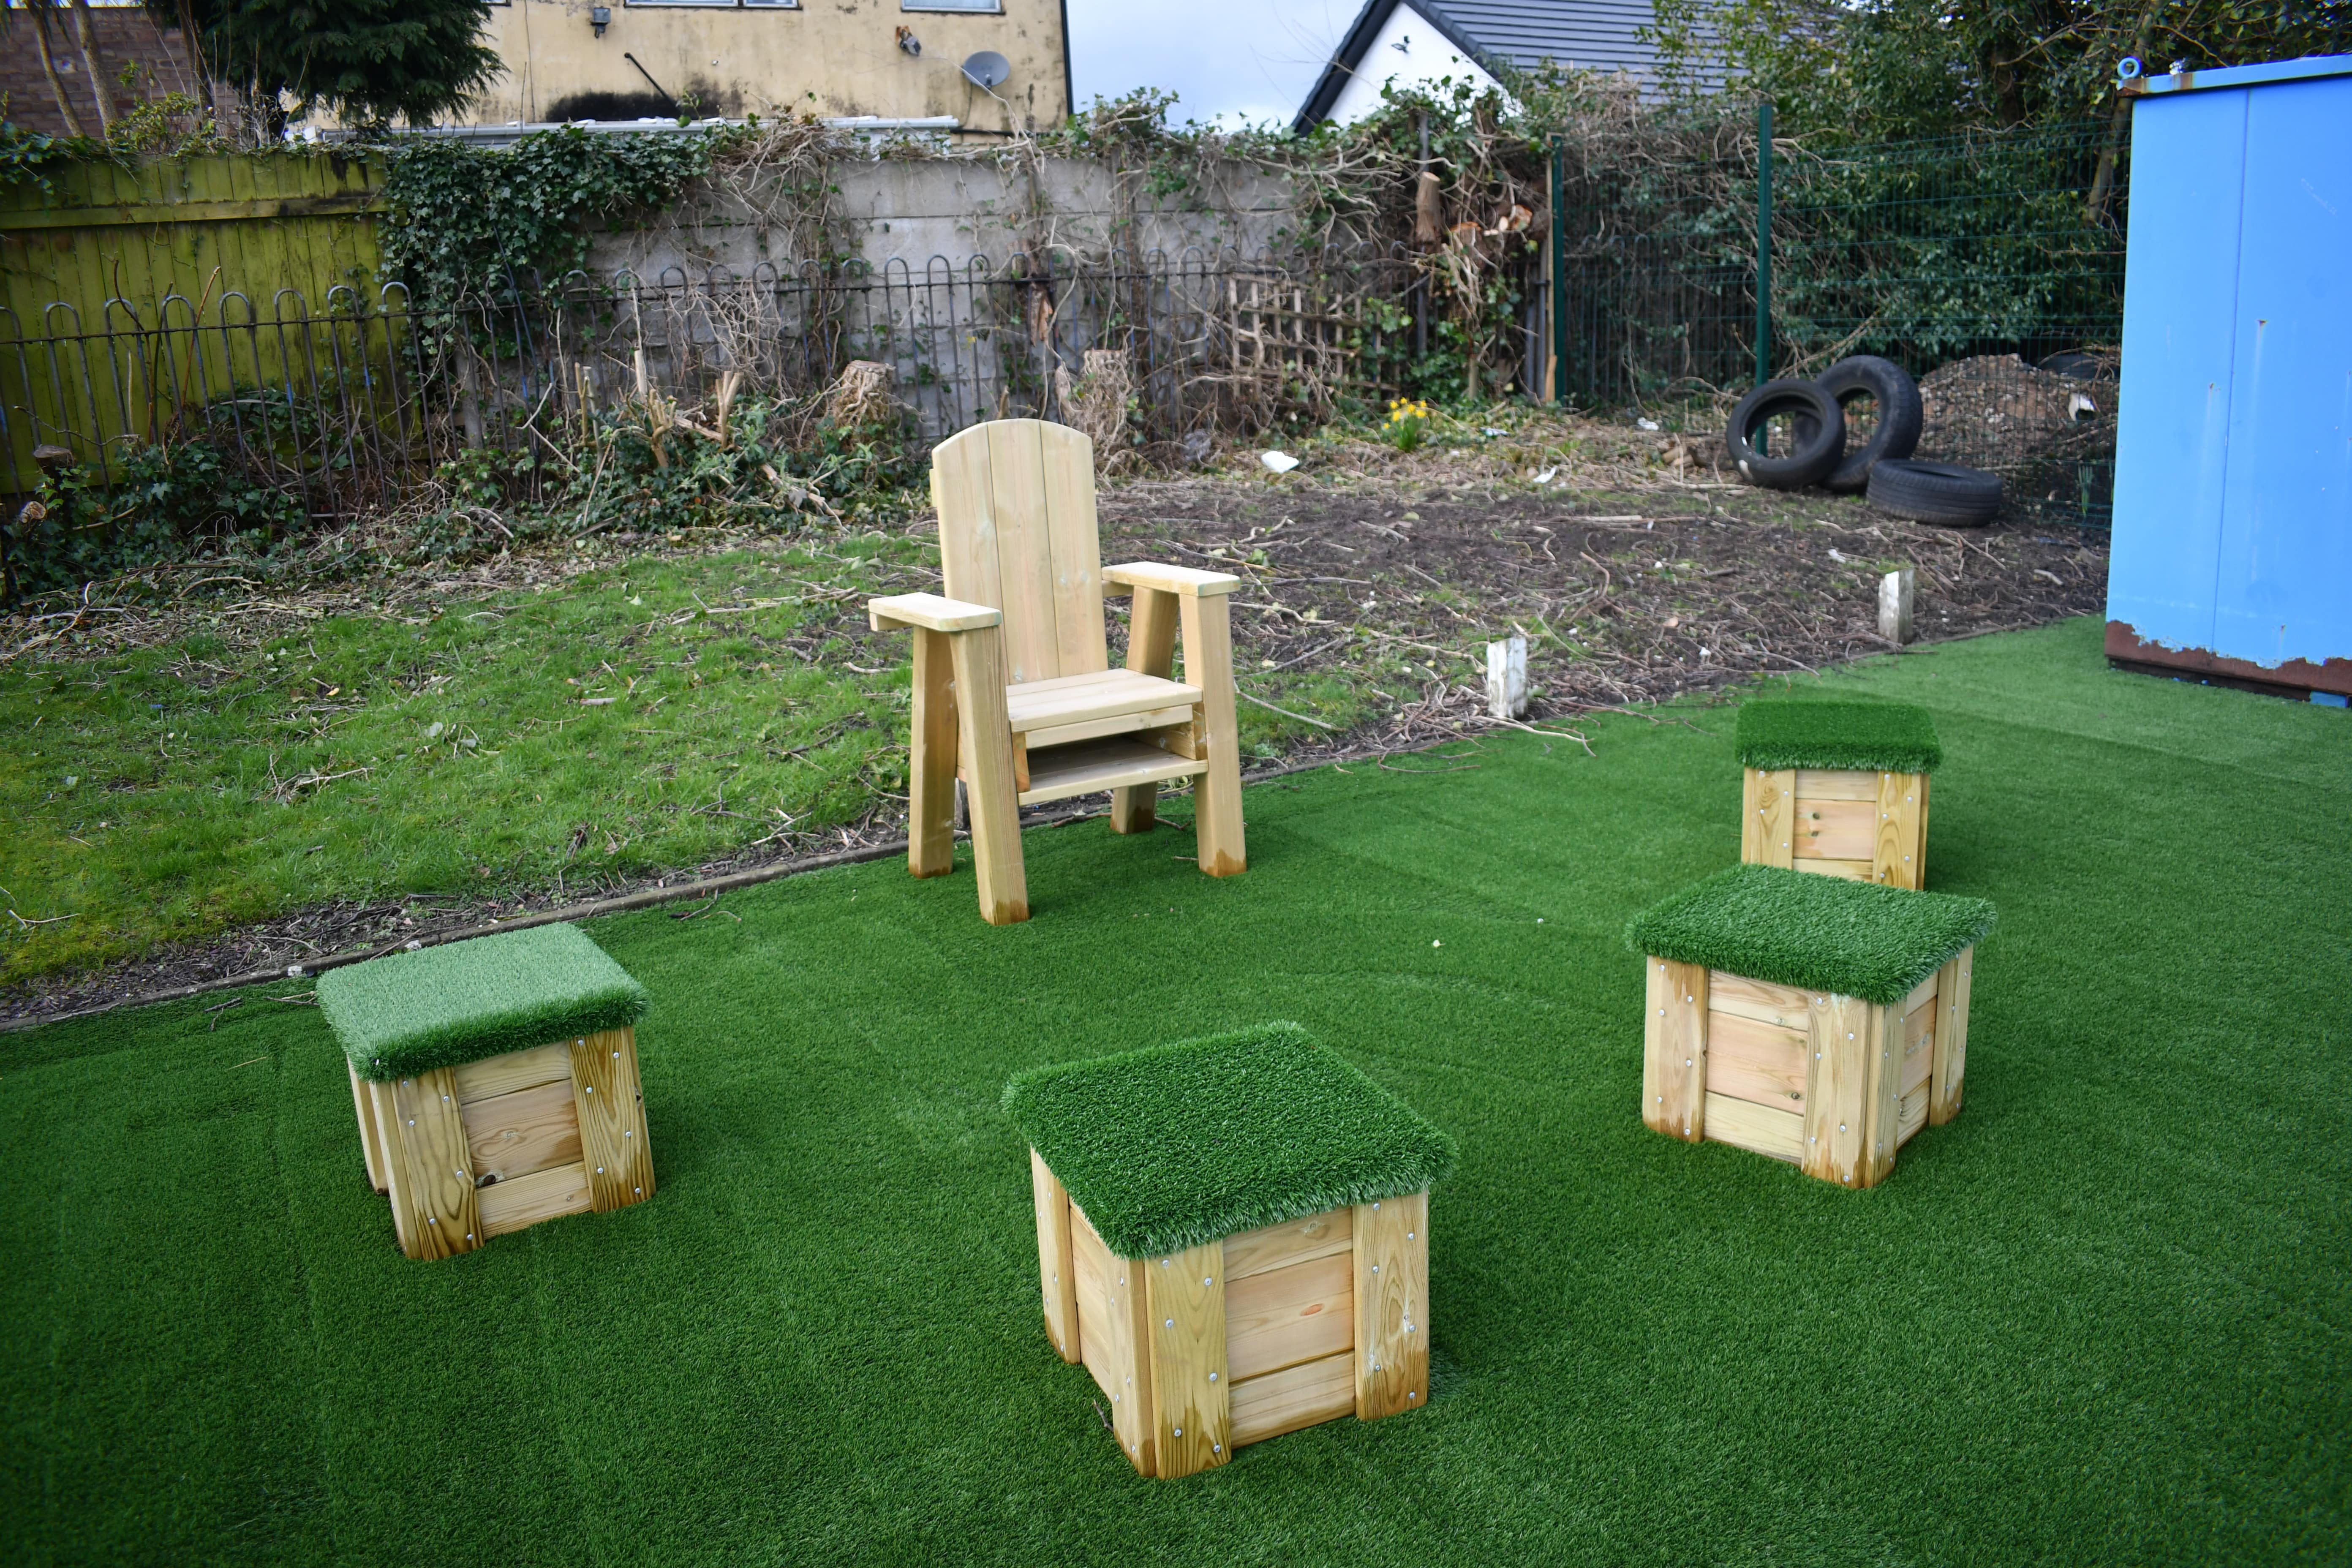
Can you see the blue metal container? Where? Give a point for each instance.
(2233, 452)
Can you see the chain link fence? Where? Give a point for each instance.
(1990, 266)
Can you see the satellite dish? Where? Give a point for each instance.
(987, 70)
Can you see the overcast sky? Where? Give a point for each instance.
(1229, 59)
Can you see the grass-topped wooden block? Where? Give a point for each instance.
(495, 1082)
(1817, 1021)
(1232, 1236)
(1838, 787)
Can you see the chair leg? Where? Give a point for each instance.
(1217, 794)
(1150, 650)
(931, 767)
(986, 730)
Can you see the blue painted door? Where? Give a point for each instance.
(2282, 586)
(2172, 444)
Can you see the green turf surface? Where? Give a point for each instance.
(1803, 928)
(2103, 1316)
(1876, 737)
(1174, 1146)
(444, 1006)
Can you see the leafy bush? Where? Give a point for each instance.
(169, 500)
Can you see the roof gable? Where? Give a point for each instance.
(1499, 36)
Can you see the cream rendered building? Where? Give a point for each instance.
(898, 60)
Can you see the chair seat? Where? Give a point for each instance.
(1103, 701)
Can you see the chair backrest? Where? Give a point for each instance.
(1016, 504)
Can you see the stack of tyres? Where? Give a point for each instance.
(1816, 451)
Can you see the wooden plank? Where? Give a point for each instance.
(510, 1135)
(1775, 810)
(1921, 995)
(550, 1193)
(1293, 1241)
(1116, 724)
(1056, 1275)
(1217, 797)
(1850, 1097)
(1090, 1267)
(984, 739)
(1784, 1007)
(1185, 1318)
(1759, 1128)
(1115, 1337)
(964, 496)
(930, 613)
(1895, 855)
(1024, 552)
(1150, 650)
(1302, 1396)
(1851, 871)
(1041, 706)
(395, 1167)
(1911, 1113)
(1391, 1267)
(371, 1141)
(1755, 1061)
(1094, 766)
(1836, 783)
(1285, 1316)
(1835, 829)
(611, 1110)
(431, 1175)
(1674, 1054)
(931, 760)
(1189, 582)
(1919, 1025)
(1751, 816)
(516, 1069)
(1075, 548)
(230, 212)
(1949, 1074)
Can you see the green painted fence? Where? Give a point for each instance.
(132, 300)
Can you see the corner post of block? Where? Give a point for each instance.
(1948, 1075)
(1391, 1273)
(434, 1179)
(1849, 1101)
(1898, 850)
(1769, 818)
(1150, 650)
(1674, 1054)
(1190, 1404)
(1128, 1355)
(611, 1105)
(370, 1137)
(1056, 1272)
(931, 767)
(1217, 794)
(984, 728)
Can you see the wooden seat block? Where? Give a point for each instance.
(1867, 826)
(1237, 1340)
(1834, 1085)
(470, 1152)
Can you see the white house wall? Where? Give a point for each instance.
(1408, 52)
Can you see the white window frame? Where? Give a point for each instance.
(706, 5)
(955, 8)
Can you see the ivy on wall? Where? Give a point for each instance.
(464, 221)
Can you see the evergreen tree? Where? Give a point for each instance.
(370, 61)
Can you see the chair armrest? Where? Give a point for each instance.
(1182, 580)
(930, 612)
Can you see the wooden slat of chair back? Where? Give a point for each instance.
(1016, 504)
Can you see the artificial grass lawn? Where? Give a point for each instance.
(1873, 737)
(445, 1006)
(648, 715)
(1175, 1145)
(2103, 1316)
(1816, 932)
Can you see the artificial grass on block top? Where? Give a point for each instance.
(445, 1006)
(1820, 933)
(1876, 737)
(1177, 1145)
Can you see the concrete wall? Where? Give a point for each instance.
(911, 210)
(818, 57)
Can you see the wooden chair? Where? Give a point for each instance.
(1013, 690)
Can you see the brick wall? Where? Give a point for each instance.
(125, 36)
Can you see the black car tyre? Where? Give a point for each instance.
(1819, 428)
(1933, 492)
(1890, 387)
